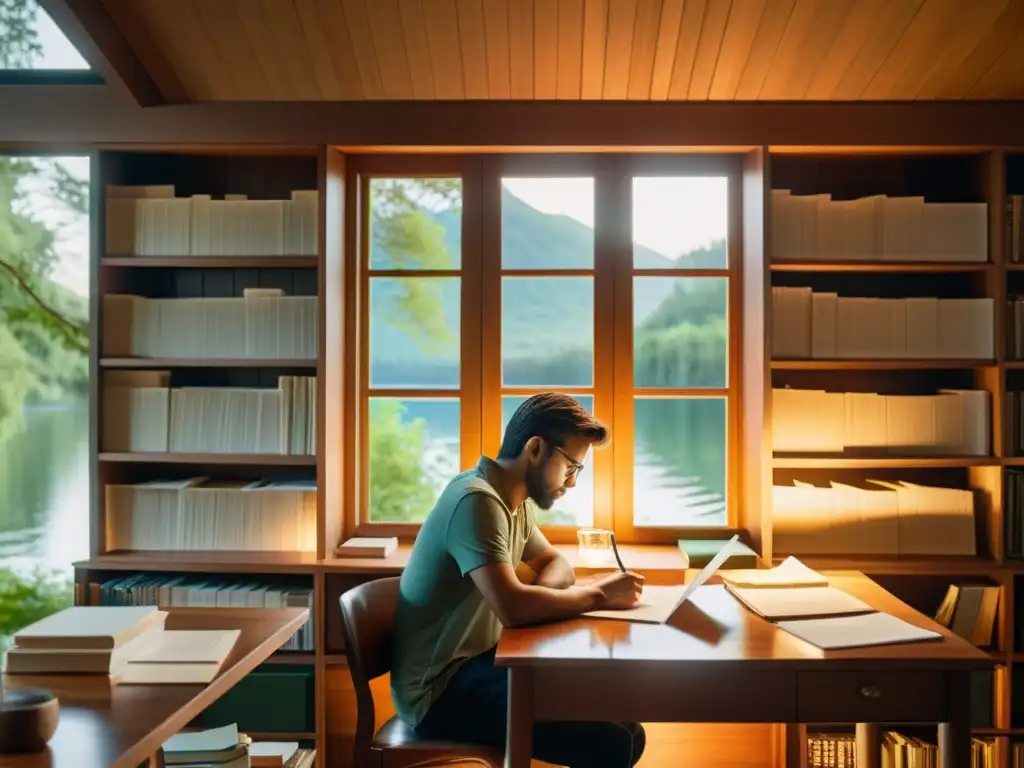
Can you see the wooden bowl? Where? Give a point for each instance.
(28, 720)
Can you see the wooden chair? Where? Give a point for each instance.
(367, 620)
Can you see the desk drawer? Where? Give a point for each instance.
(870, 697)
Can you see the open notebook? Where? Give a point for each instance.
(657, 604)
(806, 605)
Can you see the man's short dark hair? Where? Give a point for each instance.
(554, 417)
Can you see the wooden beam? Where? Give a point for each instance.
(89, 27)
(42, 115)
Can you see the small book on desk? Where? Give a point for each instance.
(367, 547)
(803, 603)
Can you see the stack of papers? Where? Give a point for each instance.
(807, 606)
(225, 747)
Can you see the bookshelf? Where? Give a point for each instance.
(914, 432)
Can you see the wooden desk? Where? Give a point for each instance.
(718, 662)
(122, 726)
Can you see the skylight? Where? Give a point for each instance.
(30, 40)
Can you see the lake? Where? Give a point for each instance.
(44, 489)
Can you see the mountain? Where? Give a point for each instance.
(544, 318)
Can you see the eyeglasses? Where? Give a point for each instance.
(574, 466)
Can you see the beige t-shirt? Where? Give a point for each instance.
(441, 618)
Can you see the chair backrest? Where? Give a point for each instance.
(367, 620)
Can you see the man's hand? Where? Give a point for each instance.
(620, 590)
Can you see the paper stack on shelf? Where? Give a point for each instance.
(97, 640)
(226, 747)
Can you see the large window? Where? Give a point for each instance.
(486, 279)
(33, 49)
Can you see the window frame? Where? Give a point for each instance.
(481, 389)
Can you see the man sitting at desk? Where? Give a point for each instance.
(460, 587)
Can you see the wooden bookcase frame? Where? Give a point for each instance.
(336, 366)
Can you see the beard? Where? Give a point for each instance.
(537, 489)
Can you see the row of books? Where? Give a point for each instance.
(838, 750)
(143, 413)
(170, 590)
(152, 221)
(953, 422)
(1015, 328)
(811, 324)
(872, 517)
(1013, 412)
(262, 323)
(202, 514)
(1013, 513)
(969, 610)
(877, 227)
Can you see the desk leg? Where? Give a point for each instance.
(869, 749)
(955, 735)
(519, 738)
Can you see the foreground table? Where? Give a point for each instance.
(104, 726)
(718, 662)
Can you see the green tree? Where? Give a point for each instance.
(400, 490)
(27, 599)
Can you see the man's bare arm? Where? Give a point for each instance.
(516, 604)
(552, 570)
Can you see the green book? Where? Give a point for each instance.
(698, 552)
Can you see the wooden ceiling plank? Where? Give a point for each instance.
(330, 18)
(474, 48)
(442, 20)
(240, 60)
(90, 28)
(766, 43)
(920, 41)
(136, 26)
(195, 42)
(737, 41)
(570, 49)
(802, 25)
(858, 27)
(686, 48)
(960, 35)
(261, 38)
(958, 81)
(417, 49)
(618, 48)
(595, 40)
(890, 24)
(545, 49)
(362, 47)
(708, 47)
(389, 48)
(319, 49)
(665, 52)
(293, 50)
(645, 43)
(829, 23)
(520, 42)
(499, 84)
(1004, 79)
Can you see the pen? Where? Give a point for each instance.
(618, 559)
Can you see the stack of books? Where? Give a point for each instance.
(84, 639)
(225, 747)
(129, 644)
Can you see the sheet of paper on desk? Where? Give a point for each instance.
(799, 602)
(857, 631)
(657, 604)
(789, 573)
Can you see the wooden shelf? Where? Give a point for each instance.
(206, 362)
(924, 267)
(256, 459)
(877, 365)
(933, 566)
(235, 561)
(212, 262)
(883, 462)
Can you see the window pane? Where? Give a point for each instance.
(415, 223)
(547, 223)
(680, 331)
(577, 506)
(680, 222)
(29, 39)
(679, 463)
(414, 332)
(414, 452)
(547, 331)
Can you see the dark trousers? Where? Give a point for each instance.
(474, 706)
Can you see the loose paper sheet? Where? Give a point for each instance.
(799, 602)
(789, 573)
(656, 606)
(857, 631)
